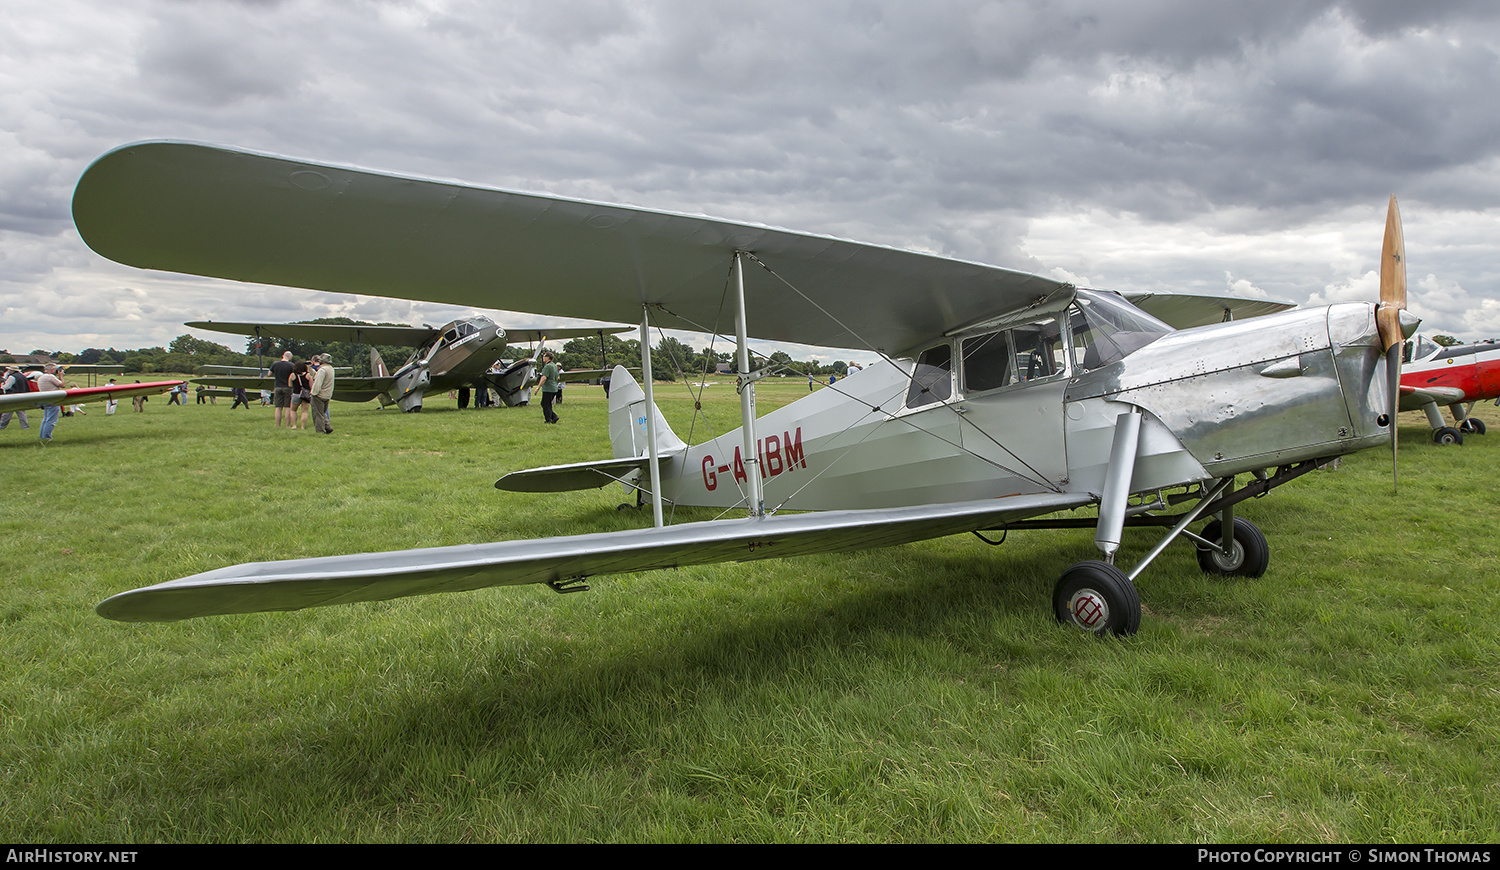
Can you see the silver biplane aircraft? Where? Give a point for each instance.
(463, 353)
(1001, 397)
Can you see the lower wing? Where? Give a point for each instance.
(1417, 398)
(317, 582)
(81, 396)
(345, 389)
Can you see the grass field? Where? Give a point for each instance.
(921, 693)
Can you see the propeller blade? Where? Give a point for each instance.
(1388, 316)
(1392, 279)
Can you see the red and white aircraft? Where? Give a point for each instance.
(1434, 375)
(80, 395)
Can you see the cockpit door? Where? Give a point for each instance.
(1012, 383)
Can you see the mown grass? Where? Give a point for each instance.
(921, 693)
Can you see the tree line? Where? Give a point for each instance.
(670, 357)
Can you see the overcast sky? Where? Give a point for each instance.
(1183, 145)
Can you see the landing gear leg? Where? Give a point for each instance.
(1096, 596)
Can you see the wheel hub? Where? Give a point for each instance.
(1089, 610)
(1231, 560)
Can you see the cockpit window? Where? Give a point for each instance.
(932, 380)
(1038, 352)
(987, 362)
(1106, 328)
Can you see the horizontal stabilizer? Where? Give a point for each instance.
(575, 475)
(317, 582)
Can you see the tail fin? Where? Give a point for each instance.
(377, 365)
(627, 419)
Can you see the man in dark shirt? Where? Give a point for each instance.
(281, 395)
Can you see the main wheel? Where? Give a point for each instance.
(1249, 556)
(1098, 598)
(1447, 435)
(1472, 425)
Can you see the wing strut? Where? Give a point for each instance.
(746, 385)
(652, 461)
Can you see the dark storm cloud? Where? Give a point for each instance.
(1197, 131)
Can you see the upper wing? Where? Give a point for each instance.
(237, 371)
(406, 336)
(531, 335)
(299, 583)
(81, 395)
(252, 217)
(1186, 310)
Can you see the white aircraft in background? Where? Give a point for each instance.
(1000, 398)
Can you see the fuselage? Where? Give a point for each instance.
(462, 351)
(1029, 405)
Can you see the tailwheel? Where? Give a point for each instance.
(1471, 426)
(1447, 435)
(1248, 556)
(1098, 598)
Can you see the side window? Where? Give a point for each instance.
(987, 362)
(1036, 350)
(932, 380)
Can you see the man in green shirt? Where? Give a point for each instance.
(549, 385)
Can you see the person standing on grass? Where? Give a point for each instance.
(14, 381)
(548, 386)
(301, 383)
(49, 381)
(281, 395)
(239, 398)
(322, 392)
(110, 404)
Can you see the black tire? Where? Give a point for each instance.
(1098, 598)
(1251, 556)
(1447, 435)
(1472, 426)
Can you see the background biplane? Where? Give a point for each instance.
(1001, 397)
(460, 354)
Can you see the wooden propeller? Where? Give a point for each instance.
(1388, 315)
